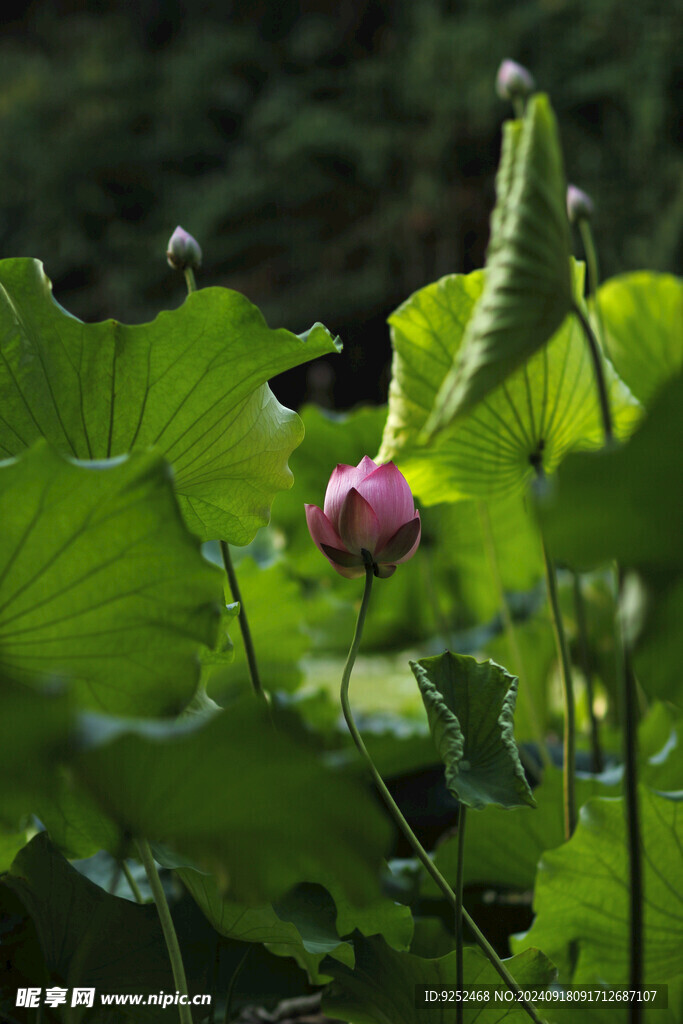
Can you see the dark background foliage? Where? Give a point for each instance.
(329, 158)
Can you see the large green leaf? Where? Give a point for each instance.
(470, 706)
(191, 383)
(527, 292)
(237, 797)
(381, 988)
(524, 426)
(101, 582)
(624, 504)
(35, 730)
(426, 335)
(307, 923)
(530, 651)
(87, 937)
(504, 849)
(642, 314)
(619, 1013)
(582, 894)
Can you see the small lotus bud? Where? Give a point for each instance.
(514, 81)
(579, 204)
(369, 519)
(183, 251)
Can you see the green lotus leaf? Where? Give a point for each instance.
(581, 897)
(87, 937)
(642, 316)
(504, 849)
(528, 291)
(522, 428)
(101, 583)
(36, 727)
(226, 791)
(470, 706)
(381, 988)
(624, 504)
(192, 383)
(307, 923)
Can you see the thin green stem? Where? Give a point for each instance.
(244, 623)
(591, 255)
(132, 883)
(569, 742)
(519, 107)
(510, 631)
(630, 752)
(231, 986)
(398, 817)
(190, 280)
(459, 968)
(232, 577)
(597, 761)
(599, 371)
(172, 944)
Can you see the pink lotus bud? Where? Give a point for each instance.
(369, 519)
(514, 81)
(183, 251)
(579, 204)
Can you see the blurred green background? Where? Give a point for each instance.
(330, 158)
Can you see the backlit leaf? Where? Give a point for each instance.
(642, 314)
(527, 292)
(192, 383)
(101, 582)
(523, 427)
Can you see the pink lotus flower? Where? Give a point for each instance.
(369, 519)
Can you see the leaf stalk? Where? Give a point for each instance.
(569, 737)
(172, 944)
(244, 624)
(400, 820)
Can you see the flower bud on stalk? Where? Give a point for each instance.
(514, 81)
(369, 518)
(579, 204)
(183, 251)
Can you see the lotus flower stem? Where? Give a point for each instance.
(582, 630)
(396, 813)
(172, 944)
(459, 968)
(569, 739)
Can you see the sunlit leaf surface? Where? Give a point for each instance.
(192, 383)
(101, 582)
(527, 292)
(642, 315)
(522, 428)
